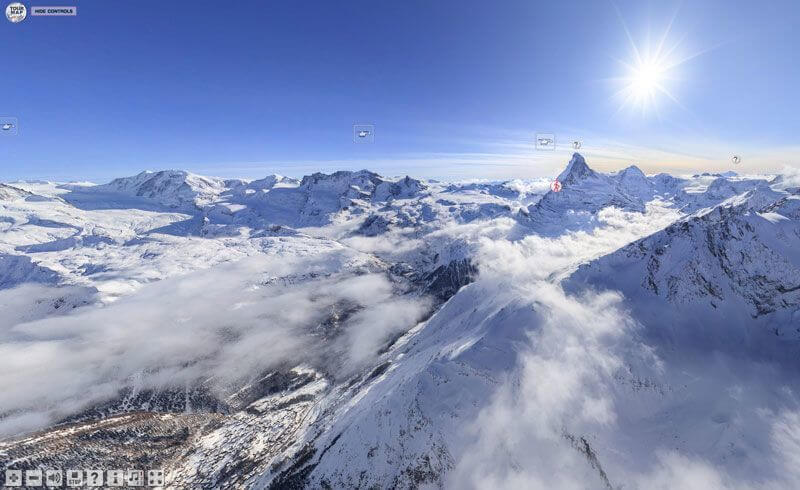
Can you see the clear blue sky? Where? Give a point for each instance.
(454, 88)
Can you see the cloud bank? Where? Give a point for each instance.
(223, 326)
(591, 405)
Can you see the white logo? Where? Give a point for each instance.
(16, 12)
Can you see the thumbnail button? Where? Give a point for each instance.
(155, 478)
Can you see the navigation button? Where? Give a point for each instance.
(363, 133)
(8, 126)
(545, 141)
(53, 478)
(13, 478)
(33, 478)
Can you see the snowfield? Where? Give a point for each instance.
(350, 330)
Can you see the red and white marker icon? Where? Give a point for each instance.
(555, 186)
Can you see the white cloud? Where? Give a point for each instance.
(534, 257)
(571, 389)
(227, 324)
(563, 389)
(791, 177)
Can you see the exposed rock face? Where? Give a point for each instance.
(577, 170)
(446, 280)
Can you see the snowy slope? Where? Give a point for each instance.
(349, 330)
(746, 250)
(717, 296)
(11, 193)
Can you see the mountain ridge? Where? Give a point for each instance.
(367, 393)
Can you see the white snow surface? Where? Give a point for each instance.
(630, 331)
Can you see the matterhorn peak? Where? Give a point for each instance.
(576, 170)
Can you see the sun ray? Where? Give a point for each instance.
(667, 31)
(627, 33)
(651, 67)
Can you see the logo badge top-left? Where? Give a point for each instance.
(16, 12)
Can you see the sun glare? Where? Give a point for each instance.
(649, 71)
(645, 80)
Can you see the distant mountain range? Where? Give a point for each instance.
(349, 330)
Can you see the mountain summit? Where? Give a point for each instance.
(576, 170)
(584, 193)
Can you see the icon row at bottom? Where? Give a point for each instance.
(84, 478)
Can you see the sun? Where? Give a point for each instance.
(645, 83)
(650, 72)
(646, 80)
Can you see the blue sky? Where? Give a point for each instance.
(454, 89)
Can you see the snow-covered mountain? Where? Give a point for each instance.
(172, 188)
(318, 199)
(744, 251)
(350, 330)
(11, 193)
(585, 192)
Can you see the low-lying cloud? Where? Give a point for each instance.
(223, 326)
(529, 435)
(591, 405)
